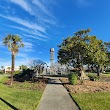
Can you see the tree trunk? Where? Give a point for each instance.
(12, 69)
(88, 66)
(92, 69)
(98, 70)
(82, 74)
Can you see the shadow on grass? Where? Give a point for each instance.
(11, 106)
(75, 101)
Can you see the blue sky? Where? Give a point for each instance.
(42, 24)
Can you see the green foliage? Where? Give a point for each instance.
(108, 70)
(23, 67)
(13, 42)
(83, 49)
(93, 77)
(107, 73)
(17, 72)
(1, 72)
(73, 78)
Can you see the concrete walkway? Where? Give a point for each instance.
(56, 97)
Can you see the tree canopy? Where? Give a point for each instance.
(82, 49)
(13, 42)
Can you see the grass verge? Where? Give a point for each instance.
(18, 99)
(93, 101)
(106, 75)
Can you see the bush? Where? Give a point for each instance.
(17, 72)
(108, 70)
(1, 72)
(93, 77)
(87, 70)
(73, 78)
(107, 73)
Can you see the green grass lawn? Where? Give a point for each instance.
(20, 99)
(105, 74)
(93, 101)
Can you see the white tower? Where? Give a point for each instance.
(52, 57)
(52, 60)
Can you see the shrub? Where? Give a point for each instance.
(1, 72)
(93, 77)
(73, 78)
(107, 73)
(87, 70)
(108, 70)
(17, 72)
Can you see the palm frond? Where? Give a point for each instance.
(13, 42)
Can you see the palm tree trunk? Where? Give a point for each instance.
(12, 69)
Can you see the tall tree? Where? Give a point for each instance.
(37, 66)
(2, 67)
(82, 49)
(108, 53)
(97, 53)
(13, 42)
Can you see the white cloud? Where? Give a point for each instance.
(18, 62)
(36, 37)
(22, 61)
(28, 47)
(28, 44)
(19, 28)
(37, 33)
(31, 33)
(37, 6)
(21, 55)
(28, 7)
(5, 63)
(42, 7)
(23, 4)
(50, 21)
(25, 23)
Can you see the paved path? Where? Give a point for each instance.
(56, 97)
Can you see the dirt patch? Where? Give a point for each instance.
(87, 86)
(29, 85)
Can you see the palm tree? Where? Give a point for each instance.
(2, 67)
(13, 42)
